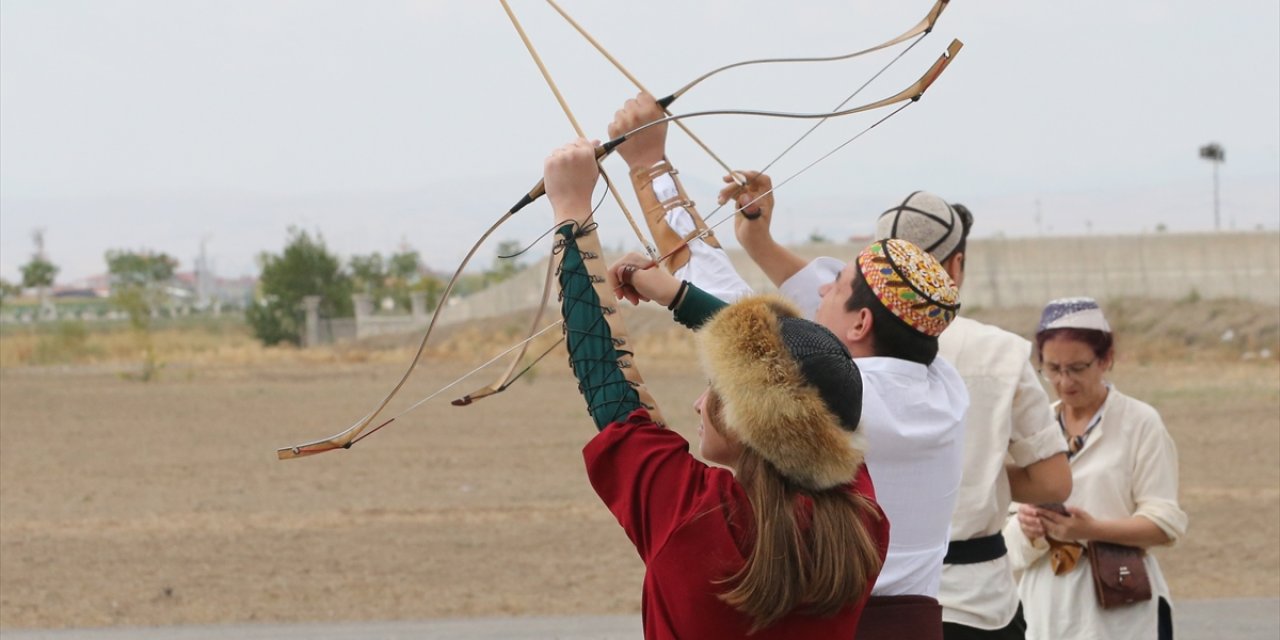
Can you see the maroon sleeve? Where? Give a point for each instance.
(646, 476)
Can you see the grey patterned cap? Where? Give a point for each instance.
(926, 221)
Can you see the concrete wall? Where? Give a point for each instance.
(1001, 273)
(1032, 271)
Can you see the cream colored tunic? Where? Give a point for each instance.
(1128, 466)
(1009, 416)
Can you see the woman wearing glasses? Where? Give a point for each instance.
(1125, 472)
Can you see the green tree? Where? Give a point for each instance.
(8, 290)
(140, 274)
(39, 272)
(505, 267)
(404, 271)
(138, 280)
(432, 286)
(305, 268)
(369, 274)
(405, 265)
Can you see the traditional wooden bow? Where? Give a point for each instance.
(921, 28)
(365, 426)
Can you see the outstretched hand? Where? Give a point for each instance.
(647, 147)
(569, 175)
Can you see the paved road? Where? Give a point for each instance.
(1234, 619)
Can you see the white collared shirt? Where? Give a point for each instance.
(913, 420)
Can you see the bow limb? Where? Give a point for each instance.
(920, 29)
(907, 95)
(924, 26)
(345, 439)
(912, 93)
(509, 375)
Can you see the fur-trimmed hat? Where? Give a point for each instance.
(911, 284)
(928, 222)
(788, 388)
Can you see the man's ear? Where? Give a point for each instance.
(860, 329)
(954, 267)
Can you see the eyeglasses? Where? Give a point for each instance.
(1052, 372)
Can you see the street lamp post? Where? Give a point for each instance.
(1214, 153)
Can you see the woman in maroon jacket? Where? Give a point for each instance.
(785, 543)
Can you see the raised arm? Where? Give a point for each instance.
(752, 227)
(594, 333)
(683, 238)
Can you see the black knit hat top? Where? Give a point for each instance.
(826, 364)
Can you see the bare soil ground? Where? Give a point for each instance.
(162, 503)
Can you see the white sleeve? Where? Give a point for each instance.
(1035, 435)
(1023, 552)
(1155, 479)
(709, 268)
(802, 288)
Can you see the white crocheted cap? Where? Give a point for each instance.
(1073, 313)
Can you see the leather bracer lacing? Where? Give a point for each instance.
(596, 371)
(655, 214)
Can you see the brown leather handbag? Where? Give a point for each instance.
(1119, 574)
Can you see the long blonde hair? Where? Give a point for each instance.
(818, 560)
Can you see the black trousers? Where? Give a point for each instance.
(1015, 630)
(1164, 622)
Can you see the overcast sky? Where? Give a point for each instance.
(156, 124)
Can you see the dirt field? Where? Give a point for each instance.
(124, 503)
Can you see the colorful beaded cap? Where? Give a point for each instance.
(911, 284)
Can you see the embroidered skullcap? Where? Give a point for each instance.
(911, 284)
(788, 389)
(926, 221)
(1073, 313)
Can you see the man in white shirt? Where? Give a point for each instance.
(1008, 418)
(914, 402)
(913, 407)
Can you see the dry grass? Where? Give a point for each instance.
(1148, 331)
(126, 504)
